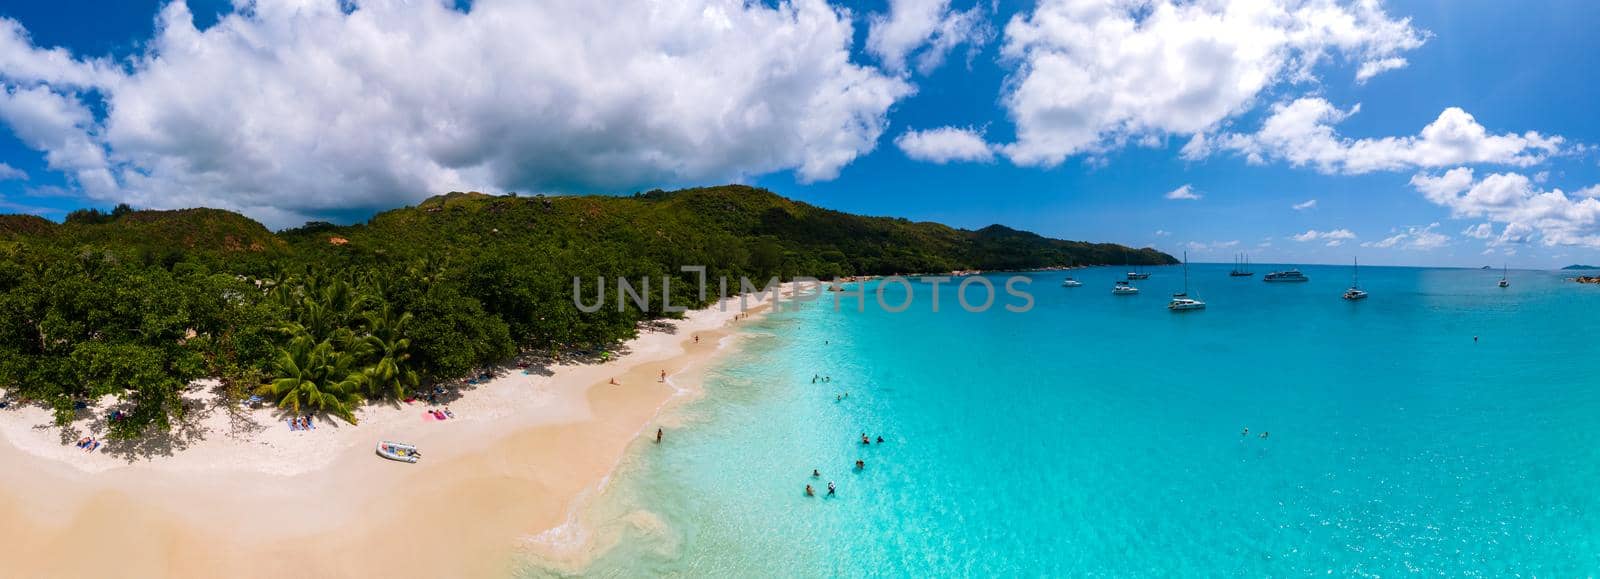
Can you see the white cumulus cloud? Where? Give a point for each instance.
(288, 109)
(927, 29)
(1333, 237)
(9, 173)
(1304, 205)
(1373, 68)
(1417, 238)
(1301, 133)
(1185, 192)
(1094, 74)
(945, 144)
(1479, 231)
(1528, 210)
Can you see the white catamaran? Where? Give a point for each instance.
(1181, 302)
(1355, 292)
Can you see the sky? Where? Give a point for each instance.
(1405, 132)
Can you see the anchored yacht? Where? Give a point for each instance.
(1181, 302)
(1355, 292)
(1287, 275)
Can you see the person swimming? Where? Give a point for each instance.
(864, 439)
(815, 473)
(860, 464)
(809, 492)
(880, 440)
(1264, 434)
(1245, 432)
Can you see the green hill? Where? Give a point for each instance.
(740, 229)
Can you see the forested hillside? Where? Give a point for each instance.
(323, 318)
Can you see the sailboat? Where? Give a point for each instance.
(1181, 302)
(1503, 281)
(1241, 266)
(1355, 292)
(1135, 272)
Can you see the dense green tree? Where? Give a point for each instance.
(314, 375)
(390, 372)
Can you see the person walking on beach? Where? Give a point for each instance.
(658, 436)
(663, 375)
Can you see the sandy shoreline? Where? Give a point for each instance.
(245, 496)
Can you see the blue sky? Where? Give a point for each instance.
(311, 109)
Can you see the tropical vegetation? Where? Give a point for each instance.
(324, 318)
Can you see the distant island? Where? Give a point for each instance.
(325, 318)
(1580, 267)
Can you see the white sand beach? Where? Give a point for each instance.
(239, 494)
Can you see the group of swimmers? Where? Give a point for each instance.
(88, 444)
(301, 423)
(816, 473)
(1246, 432)
(818, 377)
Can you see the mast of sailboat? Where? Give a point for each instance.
(1355, 272)
(1185, 272)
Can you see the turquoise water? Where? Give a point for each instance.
(1100, 435)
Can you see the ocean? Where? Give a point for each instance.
(1442, 426)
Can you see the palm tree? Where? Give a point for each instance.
(312, 375)
(388, 375)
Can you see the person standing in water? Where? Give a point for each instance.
(809, 492)
(830, 488)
